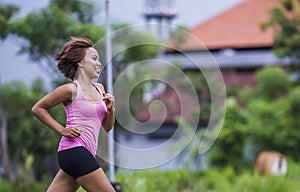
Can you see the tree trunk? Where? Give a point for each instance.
(4, 144)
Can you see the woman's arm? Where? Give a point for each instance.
(109, 120)
(63, 94)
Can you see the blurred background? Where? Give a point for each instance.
(253, 43)
(188, 14)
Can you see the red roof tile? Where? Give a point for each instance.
(238, 27)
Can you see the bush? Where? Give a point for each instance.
(6, 186)
(213, 180)
(273, 82)
(254, 183)
(158, 181)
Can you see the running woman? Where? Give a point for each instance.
(88, 109)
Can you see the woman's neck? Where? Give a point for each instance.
(84, 82)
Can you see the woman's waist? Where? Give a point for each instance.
(67, 143)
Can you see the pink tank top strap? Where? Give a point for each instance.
(97, 88)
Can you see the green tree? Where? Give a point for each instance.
(285, 21)
(267, 125)
(203, 93)
(25, 141)
(266, 119)
(45, 31)
(6, 14)
(14, 107)
(272, 111)
(267, 87)
(228, 149)
(293, 116)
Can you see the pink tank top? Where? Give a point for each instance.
(87, 116)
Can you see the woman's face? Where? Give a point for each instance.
(91, 64)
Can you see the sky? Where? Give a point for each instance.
(19, 67)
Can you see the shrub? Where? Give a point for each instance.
(213, 180)
(6, 186)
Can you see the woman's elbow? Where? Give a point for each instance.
(107, 129)
(34, 110)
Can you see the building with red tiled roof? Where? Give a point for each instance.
(235, 43)
(237, 27)
(232, 40)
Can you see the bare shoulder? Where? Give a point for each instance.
(62, 94)
(66, 91)
(67, 88)
(100, 86)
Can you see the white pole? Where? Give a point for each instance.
(109, 81)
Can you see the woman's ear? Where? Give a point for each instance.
(79, 64)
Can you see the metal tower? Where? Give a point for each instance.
(161, 11)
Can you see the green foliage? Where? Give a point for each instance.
(288, 5)
(285, 21)
(252, 182)
(294, 100)
(57, 24)
(83, 11)
(249, 183)
(224, 182)
(268, 126)
(158, 181)
(6, 14)
(201, 87)
(28, 138)
(272, 112)
(293, 116)
(247, 94)
(229, 146)
(6, 186)
(272, 83)
(18, 99)
(45, 31)
(14, 96)
(214, 180)
(268, 120)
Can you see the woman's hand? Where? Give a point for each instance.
(70, 132)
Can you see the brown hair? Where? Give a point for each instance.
(72, 53)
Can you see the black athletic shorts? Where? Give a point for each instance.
(77, 161)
